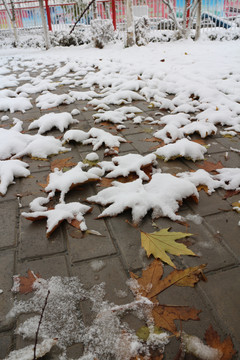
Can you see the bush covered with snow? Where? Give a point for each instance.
(142, 27)
(102, 32)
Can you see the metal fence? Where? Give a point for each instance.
(215, 13)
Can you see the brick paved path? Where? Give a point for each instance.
(23, 245)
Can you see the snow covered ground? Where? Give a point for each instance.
(193, 87)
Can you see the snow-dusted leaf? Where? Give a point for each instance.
(61, 212)
(65, 181)
(169, 133)
(75, 135)
(41, 147)
(126, 164)
(117, 116)
(83, 95)
(162, 194)
(38, 85)
(118, 98)
(48, 121)
(229, 177)
(62, 163)
(24, 284)
(10, 169)
(27, 353)
(201, 177)
(224, 347)
(50, 100)
(15, 104)
(99, 137)
(210, 166)
(182, 148)
(203, 128)
(177, 120)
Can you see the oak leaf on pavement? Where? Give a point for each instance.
(225, 347)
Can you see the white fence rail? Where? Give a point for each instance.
(215, 14)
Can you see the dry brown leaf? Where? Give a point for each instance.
(62, 163)
(26, 282)
(112, 152)
(226, 346)
(106, 182)
(150, 277)
(108, 125)
(230, 193)
(210, 166)
(202, 187)
(164, 315)
(187, 277)
(199, 141)
(152, 284)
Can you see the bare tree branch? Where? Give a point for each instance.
(38, 328)
(83, 12)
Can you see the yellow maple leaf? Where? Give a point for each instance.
(159, 243)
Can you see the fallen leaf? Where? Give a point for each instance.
(62, 163)
(164, 315)
(230, 193)
(153, 139)
(200, 141)
(112, 152)
(94, 232)
(144, 332)
(226, 346)
(24, 284)
(210, 166)
(204, 188)
(108, 125)
(161, 242)
(236, 206)
(151, 283)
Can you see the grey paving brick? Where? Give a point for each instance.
(5, 344)
(208, 204)
(30, 188)
(6, 298)
(138, 142)
(115, 287)
(225, 226)
(46, 267)
(90, 246)
(223, 291)
(8, 216)
(33, 242)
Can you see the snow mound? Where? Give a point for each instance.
(15, 104)
(126, 164)
(169, 133)
(229, 177)
(118, 98)
(99, 137)
(64, 181)
(61, 212)
(49, 100)
(162, 194)
(48, 121)
(182, 148)
(203, 128)
(201, 177)
(10, 169)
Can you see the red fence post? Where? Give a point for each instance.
(48, 16)
(114, 14)
(188, 12)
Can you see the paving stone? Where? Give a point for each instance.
(30, 188)
(215, 146)
(90, 246)
(205, 244)
(232, 160)
(208, 204)
(225, 226)
(138, 142)
(46, 267)
(6, 298)
(12, 191)
(115, 287)
(8, 216)
(5, 344)
(33, 242)
(223, 291)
